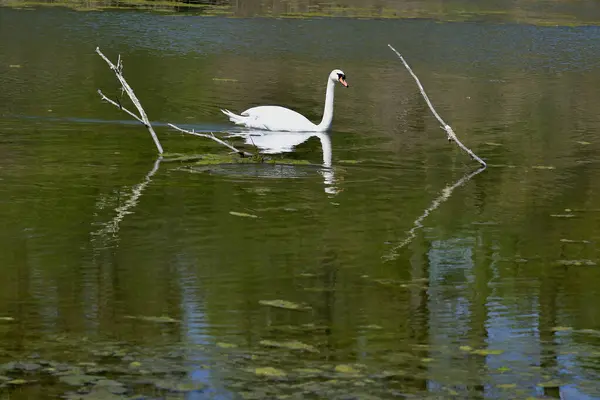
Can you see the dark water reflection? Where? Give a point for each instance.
(494, 297)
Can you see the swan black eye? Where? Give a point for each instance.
(342, 76)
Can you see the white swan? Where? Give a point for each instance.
(276, 118)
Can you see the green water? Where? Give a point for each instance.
(161, 276)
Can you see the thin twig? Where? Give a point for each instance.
(114, 103)
(445, 126)
(418, 223)
(143, 118)
(213, 137)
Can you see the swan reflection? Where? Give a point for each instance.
(277, 142)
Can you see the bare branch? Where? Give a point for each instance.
(418, 223)
(445, 126)
(143, 118)
(212, 137)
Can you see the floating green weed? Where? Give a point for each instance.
(241, 214)
(224, 345)
(290, 345)
(288, 305)
(269, 372)
(162, 319)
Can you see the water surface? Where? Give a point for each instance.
(157, 271)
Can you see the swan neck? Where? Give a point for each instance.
(328, 111)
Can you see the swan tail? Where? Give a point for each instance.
(237, 119)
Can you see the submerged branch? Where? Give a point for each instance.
(143, 118)
(418, 223)
(213, 137)
(451, 135)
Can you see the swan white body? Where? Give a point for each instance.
(276, 118)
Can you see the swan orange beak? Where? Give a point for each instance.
(343, 82)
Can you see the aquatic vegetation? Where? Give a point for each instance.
(288, 305)
(280, 368)
(507, 386)
(576, 263)
(18, 382)
(79, 380)
(547, 167)
(182, 157)
(163, 319)
(481, 352)
(575, 241)
(561, 329)
(298, 329)
(209, 159)
(24, 366)
(269, 372)
(346, 369)
(242, 214)
(307, 275)
(224, 345)
(487, 352)
(290, 345)
(179, 386)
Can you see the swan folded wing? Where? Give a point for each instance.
(273, 118)
(248, 121)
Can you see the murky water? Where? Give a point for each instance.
(164, 277)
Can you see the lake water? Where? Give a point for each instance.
(403, 280)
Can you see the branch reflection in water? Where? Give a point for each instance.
(418, 223)
(110, 229)
(275, 142)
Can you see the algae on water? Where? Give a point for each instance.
(269, 372)
(241, 214)
(179, 386)
(224, 345)
(290, 345)
(346, 369)
(161, 319)
(288, 305)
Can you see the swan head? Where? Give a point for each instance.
(337, 75)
